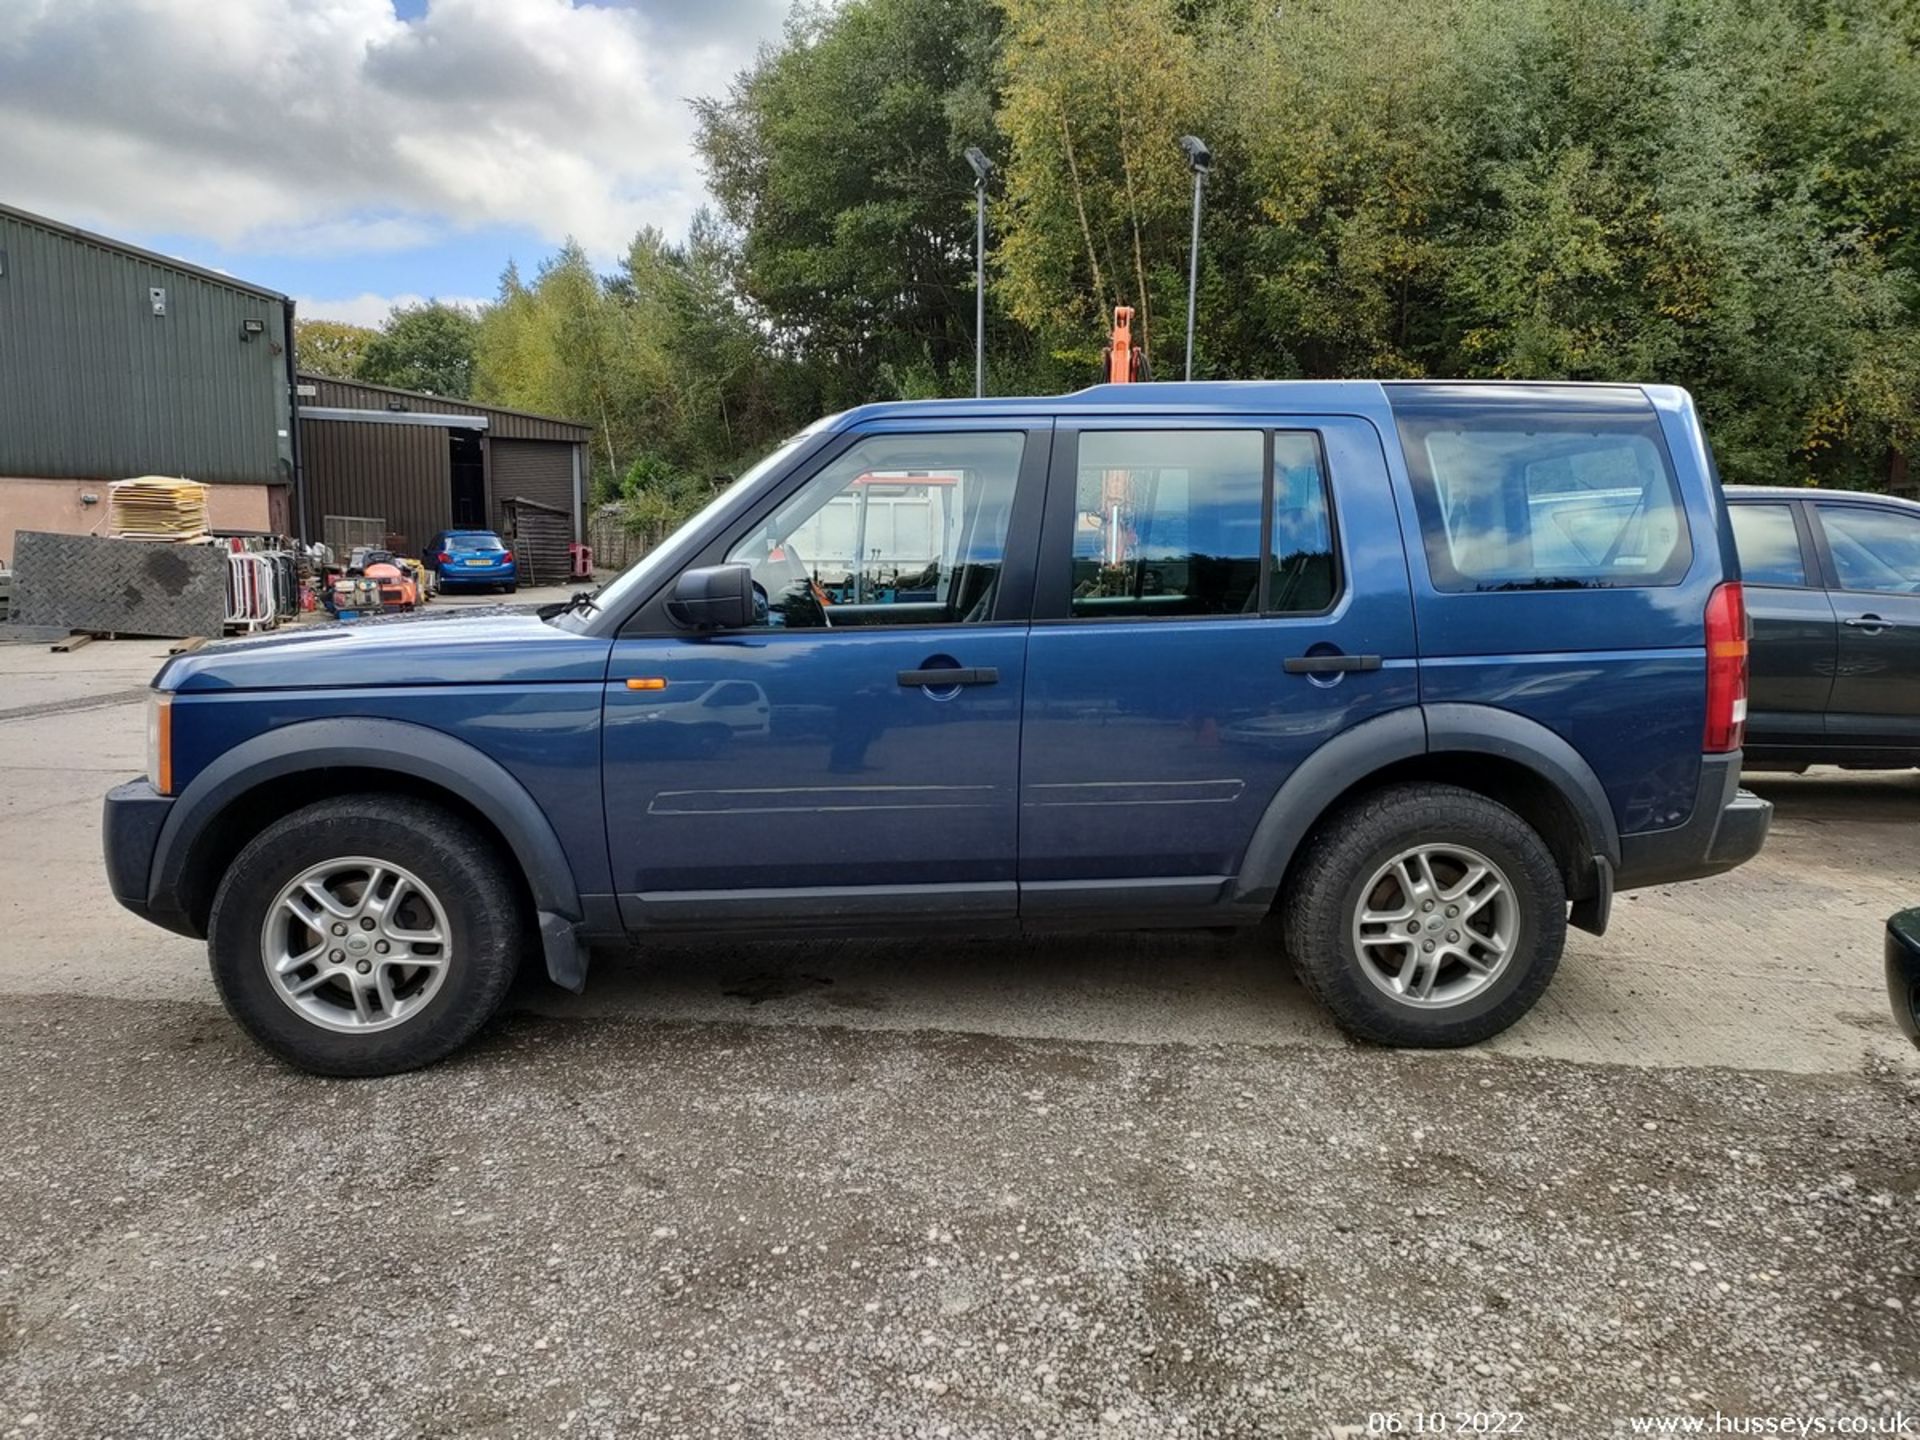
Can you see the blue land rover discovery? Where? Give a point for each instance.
(1426, 671)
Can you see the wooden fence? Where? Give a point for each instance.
(614, 546)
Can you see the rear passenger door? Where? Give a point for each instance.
(1214, 600)
(1790, 671)
(1872, 555)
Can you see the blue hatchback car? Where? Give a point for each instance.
(476, 558)
(1427, 672)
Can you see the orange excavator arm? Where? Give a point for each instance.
(1125, 361)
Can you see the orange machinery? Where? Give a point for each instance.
(1124, 362)
(397, 589)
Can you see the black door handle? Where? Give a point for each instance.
(947, 678)
(1329, 664)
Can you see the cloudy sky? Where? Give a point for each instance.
(355, 152)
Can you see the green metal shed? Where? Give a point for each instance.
(115, 361)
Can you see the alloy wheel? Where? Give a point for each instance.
(356, 944)
(1436, 925)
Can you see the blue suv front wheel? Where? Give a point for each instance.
(365, 935)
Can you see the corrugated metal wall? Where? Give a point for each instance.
(510, 424)
(94, 385)
(402, 473)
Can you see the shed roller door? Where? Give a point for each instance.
(542, 471)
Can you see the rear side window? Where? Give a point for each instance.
(1768, 544)
(1186, 523)
(1541, 489)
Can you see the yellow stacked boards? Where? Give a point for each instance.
(154, 507)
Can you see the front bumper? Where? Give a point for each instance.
(1727, 828)
(130, 833)
(1903, 971)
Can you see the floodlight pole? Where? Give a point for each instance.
(982, 168)
(1200, 161)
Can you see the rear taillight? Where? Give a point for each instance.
(446, 557)
(1726, 669)
(507, 558)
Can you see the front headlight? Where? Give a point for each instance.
(160, 741)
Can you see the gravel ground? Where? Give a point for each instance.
(606, 1227)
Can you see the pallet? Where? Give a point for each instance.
(72, 642)
(182, 647)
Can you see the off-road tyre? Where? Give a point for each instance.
(1324, 892)
(463, 868)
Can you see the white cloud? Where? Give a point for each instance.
(369, 309)
(320, 124)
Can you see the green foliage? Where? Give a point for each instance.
(330, 347)
(656, 495)
(1589, 189)
(1098, 196)
(659, 357)
(554, 347)
(837, 157)
(1723, 194)
(427, 347)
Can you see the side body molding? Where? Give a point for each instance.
(1350, 758)
(401, 748)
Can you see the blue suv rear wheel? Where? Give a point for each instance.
(1426, 915)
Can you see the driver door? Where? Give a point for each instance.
(854, 756)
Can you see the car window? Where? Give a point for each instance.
(1169, 523)
(898, 530)
(488, 543)
(1300, 555)
(1543, 497)
(1768, 545)
(1873, 549)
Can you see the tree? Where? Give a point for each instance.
(555, 347)
(1341, 165)
(658, 496)
(330, 347)
(426, 347)
(1719, 193)
(1098, 195)
(838, 159)
(726, 394)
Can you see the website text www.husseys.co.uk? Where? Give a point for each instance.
(1719, 1423)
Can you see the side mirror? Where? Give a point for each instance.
(713, 597)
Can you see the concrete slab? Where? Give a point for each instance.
(32, 677)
